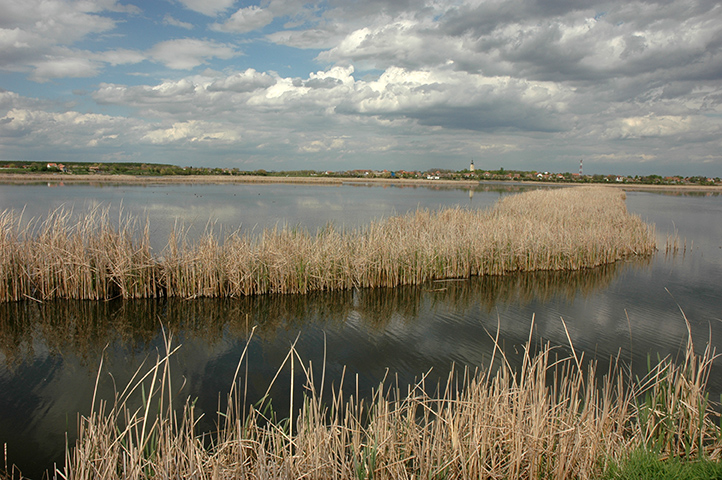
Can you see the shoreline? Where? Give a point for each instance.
(19, 179)
(11, 178)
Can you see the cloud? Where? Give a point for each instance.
(25, 127)
(521, 82)
(207, 7)
(315, 38)
(448, 99)
(64, 67)
(119, 56)
(457, 100)
(247, 81)
(168, 93)
(188, 53)
(664, 126)
(245, 20)
(36, 37)
(49, 22)
(325, 145)
(169, 20)
(193, 131)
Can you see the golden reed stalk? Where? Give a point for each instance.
(549, 418)
(564, 229)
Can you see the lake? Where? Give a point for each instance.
(50, 352)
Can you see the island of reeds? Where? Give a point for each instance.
(89, 257)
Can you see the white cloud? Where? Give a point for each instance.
(457, 100)
(64, 67)
(379, 47)
(31, 127)
(325, 145)
(57, 22)
(207, 7)
(661, 126)
(193, 131)
(35, 36)
(247, 81)
(187, 53)
(245, 20)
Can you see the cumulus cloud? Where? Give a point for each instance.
(36, 37)
(169, 93)
(64, 67)
(458, 100)
(315, 146)
(448, 99)
(49, 22)
(193, 131)
(30, 127)
(188, 53)
(247, 81)
(513, 80)
(690, 127)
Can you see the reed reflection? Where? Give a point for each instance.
(84, 328)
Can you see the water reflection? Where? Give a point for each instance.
(84, 328)
(50, 351)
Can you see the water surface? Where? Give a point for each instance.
(49, 353)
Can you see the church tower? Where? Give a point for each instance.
(471, 167)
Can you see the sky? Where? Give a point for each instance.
(629, 87)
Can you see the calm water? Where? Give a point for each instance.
(49, 353)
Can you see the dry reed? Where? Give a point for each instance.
(565, 229)
(550, 418)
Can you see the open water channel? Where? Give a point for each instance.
(50, 352)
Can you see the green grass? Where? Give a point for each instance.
(646, 465)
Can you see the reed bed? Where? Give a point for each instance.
(94, 258)
(552, 417)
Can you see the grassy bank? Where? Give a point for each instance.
(554, 417)
(94, 258)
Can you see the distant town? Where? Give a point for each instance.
(470, 173)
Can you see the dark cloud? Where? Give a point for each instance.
(323, 83)
(492, 118)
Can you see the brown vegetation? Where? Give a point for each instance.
(89, 258)
(551, 418)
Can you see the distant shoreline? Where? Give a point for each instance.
(217, 179)
(26, 178)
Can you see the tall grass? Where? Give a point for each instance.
(90, 258)
(553, 417)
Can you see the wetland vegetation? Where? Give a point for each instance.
(554, 417)
(544, 412)
(91, 258)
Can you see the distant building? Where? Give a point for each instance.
(471, 167)
(56, 166)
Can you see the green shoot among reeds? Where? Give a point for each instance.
(551, 418)
(565, 229)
